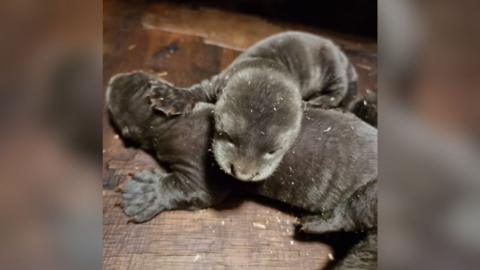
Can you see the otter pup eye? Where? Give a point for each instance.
(270, 153)
(226, 137)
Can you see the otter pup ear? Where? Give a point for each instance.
(170, 100)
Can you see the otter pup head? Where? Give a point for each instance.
(257, 119)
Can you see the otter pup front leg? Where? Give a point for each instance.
(331, 96)
(149, 193)
(172, 100)
(358, 213)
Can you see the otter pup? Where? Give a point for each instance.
(331, 164)
(260, 96)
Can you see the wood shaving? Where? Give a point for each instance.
(364, 67)
(259, 225)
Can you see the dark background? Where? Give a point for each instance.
(357, 17)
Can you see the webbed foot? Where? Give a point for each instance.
(141, 197)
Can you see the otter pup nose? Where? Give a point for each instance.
(241, 173)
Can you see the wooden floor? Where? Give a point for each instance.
(184, 46)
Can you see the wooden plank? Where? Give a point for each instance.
(247, 236)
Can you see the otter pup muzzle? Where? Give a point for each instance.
(245, 171)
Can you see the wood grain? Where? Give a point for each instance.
(249, 236)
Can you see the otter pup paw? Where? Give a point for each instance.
(318, 224)
(170, 100)
(141, 198)
(324, 102)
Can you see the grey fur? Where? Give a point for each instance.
(362, 256)
(258, 99)
(333, 156)
(358, 213)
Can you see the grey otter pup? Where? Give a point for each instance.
(260, 96)
(329, 164)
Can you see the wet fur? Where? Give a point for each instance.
(331, 164)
